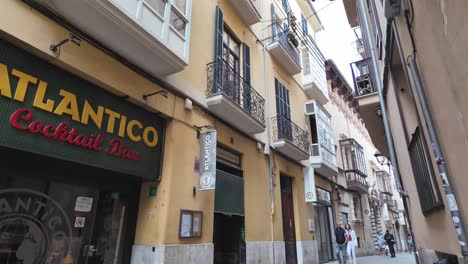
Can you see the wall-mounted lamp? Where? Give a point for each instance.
(381, 158)
(378, 111)
(163, 93)
(73, 38)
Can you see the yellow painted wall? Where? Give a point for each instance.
(158, 217)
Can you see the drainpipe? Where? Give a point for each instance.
(451, 198)
(267, 145)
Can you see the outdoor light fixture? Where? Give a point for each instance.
(378, 111)
(161, 92)
(73, 38)
(380, 158)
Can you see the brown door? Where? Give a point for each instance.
(289, 230)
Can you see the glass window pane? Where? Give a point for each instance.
(177, 22)
(157, 5)
(181, 5)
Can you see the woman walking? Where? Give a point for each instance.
(352, 243)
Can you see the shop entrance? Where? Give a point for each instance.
(323, 224)
(229, 224)
(60, 212)
(289, 230)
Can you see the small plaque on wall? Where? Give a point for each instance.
(190, 224)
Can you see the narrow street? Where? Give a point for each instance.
(402, 258)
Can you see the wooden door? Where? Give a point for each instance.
(289, 230)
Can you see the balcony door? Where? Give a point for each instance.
(283, 111)
(231, 52)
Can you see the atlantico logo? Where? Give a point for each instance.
(34, 228)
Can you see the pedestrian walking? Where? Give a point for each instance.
(390, 239)
(410, 244)
(340, 239)
(380, 243)
(351, 244)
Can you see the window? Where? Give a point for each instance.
(305, 61)
(190, 224)
(285, 5)
(304, 25)
(231, 50)
(178, 22)
(283, 112)
(344, 218)
(426, 184)
(181, 5)
(157, 5)
(377, 31)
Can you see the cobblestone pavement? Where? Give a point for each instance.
(402, 258)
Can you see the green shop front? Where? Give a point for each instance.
(73, 158)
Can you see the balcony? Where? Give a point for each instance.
(354, 165)
(369, 103)
(314, 78)
(359, 46)
(359, 43)
(285, 53)
(356, 182)
(323, 160)
(249, 10)
(140, 31)
(232, 98)
(290, 139)
(322, 149)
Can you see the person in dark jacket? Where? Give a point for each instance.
(390, 239)
(340, 239)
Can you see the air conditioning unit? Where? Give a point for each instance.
(310, 107)
(392, 8)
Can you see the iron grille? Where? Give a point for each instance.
(362, 77)
(428, 191)
(222, 78)
(283, 38)
(285, 129)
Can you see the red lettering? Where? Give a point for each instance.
(61, 131)
(71, 134)
(24, 114)
(97, 143)
(117, 148)
(35, 127)
(48, 130)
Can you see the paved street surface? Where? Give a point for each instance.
(402, 258)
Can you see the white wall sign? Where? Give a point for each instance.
(309, 185)
(207, 161)
(83, 204)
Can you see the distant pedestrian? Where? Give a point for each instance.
(340, 239)
(410, 244)
(352, 243)
(390, 239)
(380, 243)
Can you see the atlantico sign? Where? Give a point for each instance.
(45, 110)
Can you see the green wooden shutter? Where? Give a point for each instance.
(247, 82)
(218, 49)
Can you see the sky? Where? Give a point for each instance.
(336, 40)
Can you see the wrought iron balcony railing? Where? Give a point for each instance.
(285, 129)
(352, 176)
(283, 38)
(358, 44)
(224, 79)
(362, 77)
